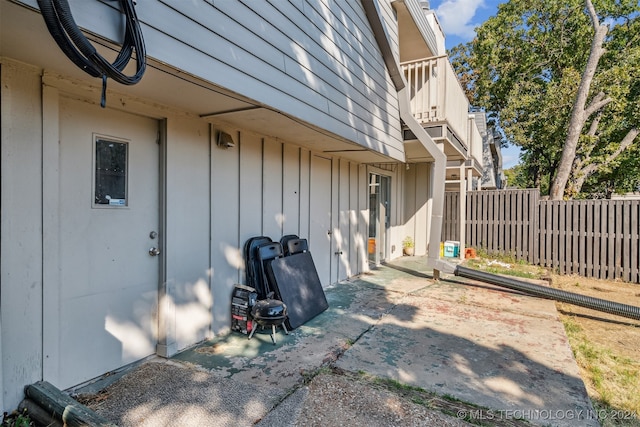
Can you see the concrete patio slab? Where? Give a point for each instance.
(468, 340)
(494, 348)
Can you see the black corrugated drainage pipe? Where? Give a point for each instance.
(624, 310)
(72, 41)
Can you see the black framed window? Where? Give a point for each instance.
(111, 163)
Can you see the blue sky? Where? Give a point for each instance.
(458, 19)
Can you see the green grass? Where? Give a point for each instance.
(506, 265)
(509, 272)
(17, 419)
(615, 379)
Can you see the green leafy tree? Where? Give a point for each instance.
(560, 84)
(517, 177)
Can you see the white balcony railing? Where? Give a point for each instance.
(436, 95)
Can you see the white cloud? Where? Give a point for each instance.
(456, 16)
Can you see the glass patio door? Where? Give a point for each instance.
(379, 217)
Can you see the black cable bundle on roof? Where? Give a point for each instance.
(59, 19)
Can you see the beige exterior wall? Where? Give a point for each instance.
(21, 229)
(215, 199)
(417, 205)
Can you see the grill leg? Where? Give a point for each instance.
(253, 331)
(273, 331)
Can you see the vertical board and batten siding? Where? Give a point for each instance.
(416, 206)
(410, 204)
(334, 237)
(187, 216)
(264, 187)
(356, 238)
(321, 208)
(422, 212)
(344, 229)
(21, 227)
(304, 220)
(290, 190)
(228, 211)
(362, 228)
(249, 197)
(272, 188)
(591, 238)
(397, 205)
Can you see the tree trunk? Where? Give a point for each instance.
(579, 112)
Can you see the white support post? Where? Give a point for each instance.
(463, 209)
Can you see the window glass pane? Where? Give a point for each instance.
(111, 173)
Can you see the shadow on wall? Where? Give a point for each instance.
(188, 313)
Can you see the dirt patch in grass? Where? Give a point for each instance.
(620, 334)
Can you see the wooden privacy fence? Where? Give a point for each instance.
(592, 238)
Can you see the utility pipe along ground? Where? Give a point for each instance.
(606, 306)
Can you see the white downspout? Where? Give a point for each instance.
(439, 176)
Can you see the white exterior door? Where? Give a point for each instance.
(104, 313)
(320, 222)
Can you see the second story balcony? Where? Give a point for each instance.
(440, 105)
(474, 160)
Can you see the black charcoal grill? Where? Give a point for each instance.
(269, 312)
